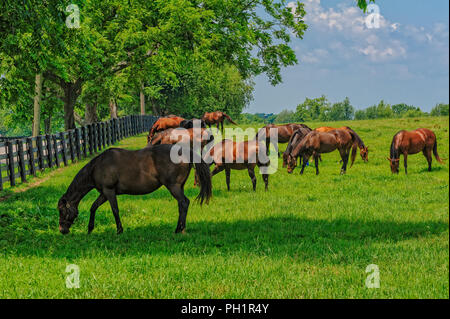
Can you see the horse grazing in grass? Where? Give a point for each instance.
(317, 143)
(185, 137)
(284, 133)
(118, 171)
(218, 118)
(363, 149)
(164, 123)
(412, 142)
(228, 155)
(296, 138)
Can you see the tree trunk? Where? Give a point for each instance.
(142, 96)
(91, 113)
(48, 124)
(37, 105)
(72, 91)
(113, 108)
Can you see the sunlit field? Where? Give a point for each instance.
(307, 237)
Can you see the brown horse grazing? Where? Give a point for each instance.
(412, 142)
(164, 123)
(191, 123)
(296, 138)
(183, 136)
(318, 143)
(118, 171)
(363, 149)
(218, 118)
(284, 133)
(228, 155)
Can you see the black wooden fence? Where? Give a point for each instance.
(22, 157)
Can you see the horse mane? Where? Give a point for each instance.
(358, 139)
(83, 179)
(394, 152)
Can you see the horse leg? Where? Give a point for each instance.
(98, 202)
(344, 157)
(221, 124)
(266, 181)
(316, 162)
(183, 205)
(405, 161)
(217, 170)
(305, 160)
(110, 194)
(251, 173)
(228, 173)
(218, 127)
(427, 154)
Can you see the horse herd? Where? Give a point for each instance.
(119, 171)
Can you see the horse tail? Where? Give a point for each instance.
(229, 118)
(436, 155)
(354, 149)
(204, 176)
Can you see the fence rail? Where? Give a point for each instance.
(22, 157)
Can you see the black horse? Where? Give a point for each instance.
(118, 171)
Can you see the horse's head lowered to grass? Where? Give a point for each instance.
(67, 214)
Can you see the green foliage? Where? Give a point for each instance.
(440, 109)
(285, 116)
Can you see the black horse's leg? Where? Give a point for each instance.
(218, 127)
(316, 162)
(98, 202)
(228, 173)
(405, 162)
(251, 173)
(221, 125)
(266, 181)
(110, 194)
(183, 206)
(344, 158)
(217, 170)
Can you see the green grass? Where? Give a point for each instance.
(307, 237)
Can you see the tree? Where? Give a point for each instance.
(313, 109)
(341, 111)
(285, 116)
(440, 109)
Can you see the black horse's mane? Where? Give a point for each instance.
(83, 179)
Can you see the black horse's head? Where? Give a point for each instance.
(67, 214)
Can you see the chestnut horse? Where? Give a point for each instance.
(228, 155)
(218, 118)
(412, 142)
(284, 133)
(363, 149)
(318, 143)
(118, 171)
(164, 123)
(183, 136)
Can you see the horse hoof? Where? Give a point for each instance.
(119, 231)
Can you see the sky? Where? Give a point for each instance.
(404, 60)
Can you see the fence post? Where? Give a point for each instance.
(64, 150)
(71, 148)
(49, 151)
(89, 134)
(40, 152)
(23, 175)
(12, 177)
(77, 142)
(84, 137)
(55, 148)
(30, 156)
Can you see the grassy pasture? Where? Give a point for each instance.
(307, 237)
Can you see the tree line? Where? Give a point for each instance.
(64, 63)
(320, 109)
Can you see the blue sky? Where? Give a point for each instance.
(405, 60)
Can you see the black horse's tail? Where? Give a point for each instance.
(436, 153)
(204, 176)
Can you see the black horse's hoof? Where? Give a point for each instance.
(119, 231)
